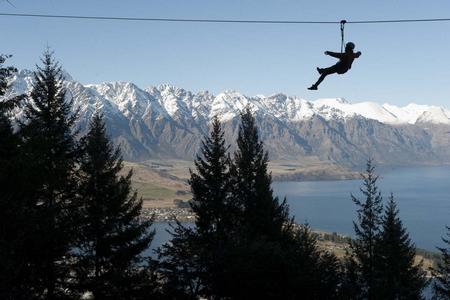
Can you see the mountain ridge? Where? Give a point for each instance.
(295, 108)
(167, 121)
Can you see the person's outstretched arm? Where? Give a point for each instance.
(334, 54)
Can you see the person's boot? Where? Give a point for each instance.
(313, 87)
(319, 70)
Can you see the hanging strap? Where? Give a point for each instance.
(342, 35)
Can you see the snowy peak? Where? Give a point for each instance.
(416, 114)
(434, 115)
(171, 102)
(332, 108)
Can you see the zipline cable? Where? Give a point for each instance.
(218, 20)
(165, 19)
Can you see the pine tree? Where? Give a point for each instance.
(329, 276)
(367, 231)
(350, 286)
(397, 276)
(13, 218)
(112, 235)
(5, 73)
(257, 262)
(263, 214)
(313, 274)
(195, 256)
(216, 212)
(441, 283)
(243, 245)
(9, 141)
(49, 153)
(181, 262)
(211, 185)
(272, 259)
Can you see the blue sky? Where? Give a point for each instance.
(401, 63)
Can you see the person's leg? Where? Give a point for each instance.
(323, 73)
(321, 78)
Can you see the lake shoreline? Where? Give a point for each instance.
(333, 242)
(421, 194)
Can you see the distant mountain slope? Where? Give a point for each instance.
(168, 122)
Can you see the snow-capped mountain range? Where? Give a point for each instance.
(168, 121)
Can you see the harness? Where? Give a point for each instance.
(342, 34)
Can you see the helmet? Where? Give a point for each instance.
(350, 45)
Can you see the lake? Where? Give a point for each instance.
(422, 195)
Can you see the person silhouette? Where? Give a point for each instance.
(342, 66)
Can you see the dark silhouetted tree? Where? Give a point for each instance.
(194, 259)
(5, 74)
(441, 283)
(112, 235)
(182, 264)
(397, 276)
(257, 265)
(272, 258)
(263, 214)
(243, 244)
(9, 140)
(13, 218)
(314, 274)
(216, 212)
(211, 185)
(350, 286)
(367, 229)
(50, 154)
